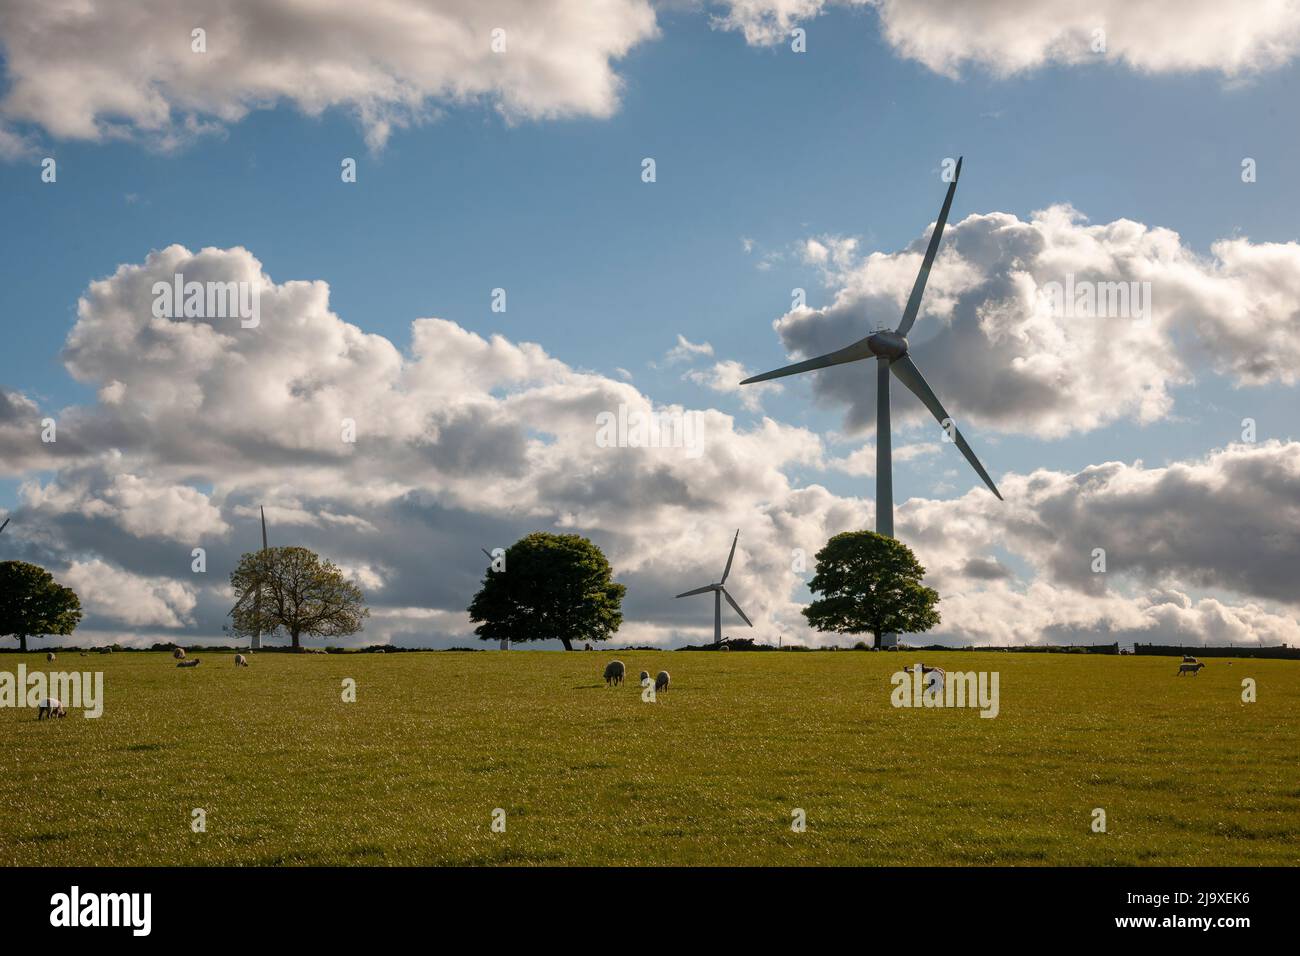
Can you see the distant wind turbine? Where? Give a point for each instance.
(720, 592)
(255, 642)
(890, 352)
(505, 641)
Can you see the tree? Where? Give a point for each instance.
(553, 587)
(870, 583)
(33, 604)
(292, 590)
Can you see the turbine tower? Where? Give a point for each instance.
(720, 592)
(891, 354)
(255, 642)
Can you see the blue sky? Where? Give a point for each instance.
(751, 142)
(605, 270)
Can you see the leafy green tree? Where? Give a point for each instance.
(33, 604)
(870, 583)
(555, 587)
(294, 591)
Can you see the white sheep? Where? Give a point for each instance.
(50, 707)
(241, 661)
(194, 663)
(933, 677)
(1192, 669)
(50, 657)
(661, 681)
(645, 676)
(179, 653)
(614, 672)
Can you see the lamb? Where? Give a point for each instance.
(50, 707)
(241, 661)
(661, 681)
(50, 657)
(179, 653)
(614, 672)
(1192, 669)
(194, 663)
(645, 676)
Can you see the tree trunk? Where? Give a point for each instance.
(294, 635)
(876, 635)
(22, 643)
(568, 645)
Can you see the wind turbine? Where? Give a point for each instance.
(890, 351)
(505, 641)
(720, 592)
(255, 642)
(5, 525)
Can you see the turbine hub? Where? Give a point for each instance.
(889, 344)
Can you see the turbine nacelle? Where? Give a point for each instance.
(887, 344)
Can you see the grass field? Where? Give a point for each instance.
(411, 772)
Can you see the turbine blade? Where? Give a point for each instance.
(263, 526)
(727, 570)
(732, 602)
(850, 353)
(704, 590)
(910, 376)
(488, 553)
(918, 289)
(5, 525)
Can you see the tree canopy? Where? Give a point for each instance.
(870, 583)
(552, 587)
(33, 604)
(292, 590)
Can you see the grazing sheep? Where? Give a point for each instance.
(661, 681)
(240, 660)
(194, 663)
(724, 647)
(586, 647)
(933, 677)
(614, 672)
(1192, 669)
(50, 707)
(50, 657)
(179, 653)
(645, 676)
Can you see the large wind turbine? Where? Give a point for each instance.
(720, 592)
(890, 352)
